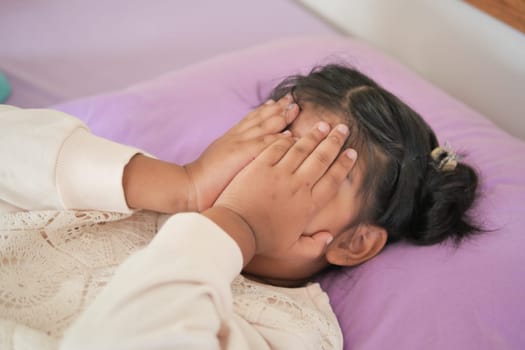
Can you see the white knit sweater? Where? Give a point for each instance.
(114, 279)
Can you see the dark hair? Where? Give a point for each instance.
(405, 190)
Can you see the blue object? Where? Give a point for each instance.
(5, 88)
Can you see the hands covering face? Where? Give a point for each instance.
(276, 195)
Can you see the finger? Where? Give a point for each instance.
(274, 123)
(264, 112)
(302, 149)
(312, 246)
(323, 156)
(331, 181)
(274, 152)
(255, 146)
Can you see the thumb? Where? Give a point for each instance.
(313, 246)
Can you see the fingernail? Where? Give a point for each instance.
(288, 97)
(269, 102)
(352, 154)
(291, 105)
(329, 240)
(343, 129)
(287, 133)
(323, 127)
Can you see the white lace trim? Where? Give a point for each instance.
(53, 263)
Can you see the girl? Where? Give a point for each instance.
(297, 208)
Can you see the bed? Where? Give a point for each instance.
(408, 297)
(438, 297)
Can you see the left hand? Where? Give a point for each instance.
(227, 155)
(268, 205)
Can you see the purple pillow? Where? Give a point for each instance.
(408, 297)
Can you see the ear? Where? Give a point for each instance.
(356, 246)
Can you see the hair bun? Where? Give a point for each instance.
(446, 197)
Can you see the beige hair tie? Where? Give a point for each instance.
(445, 158)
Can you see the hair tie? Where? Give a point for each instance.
(444, 158)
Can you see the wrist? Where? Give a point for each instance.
(191, 188)
(236, 227)
(156, 185)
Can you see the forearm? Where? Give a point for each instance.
(53, 161)
(157, 185)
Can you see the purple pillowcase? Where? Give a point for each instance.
(408, 297)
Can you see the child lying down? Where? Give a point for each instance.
(327, 172)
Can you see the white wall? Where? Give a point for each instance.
(474, 57)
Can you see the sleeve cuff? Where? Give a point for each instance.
(89, 172)
(213, 249)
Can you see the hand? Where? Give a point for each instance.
(274, 197)
(153, 184)
(226, 156)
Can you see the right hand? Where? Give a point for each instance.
(279, 192)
